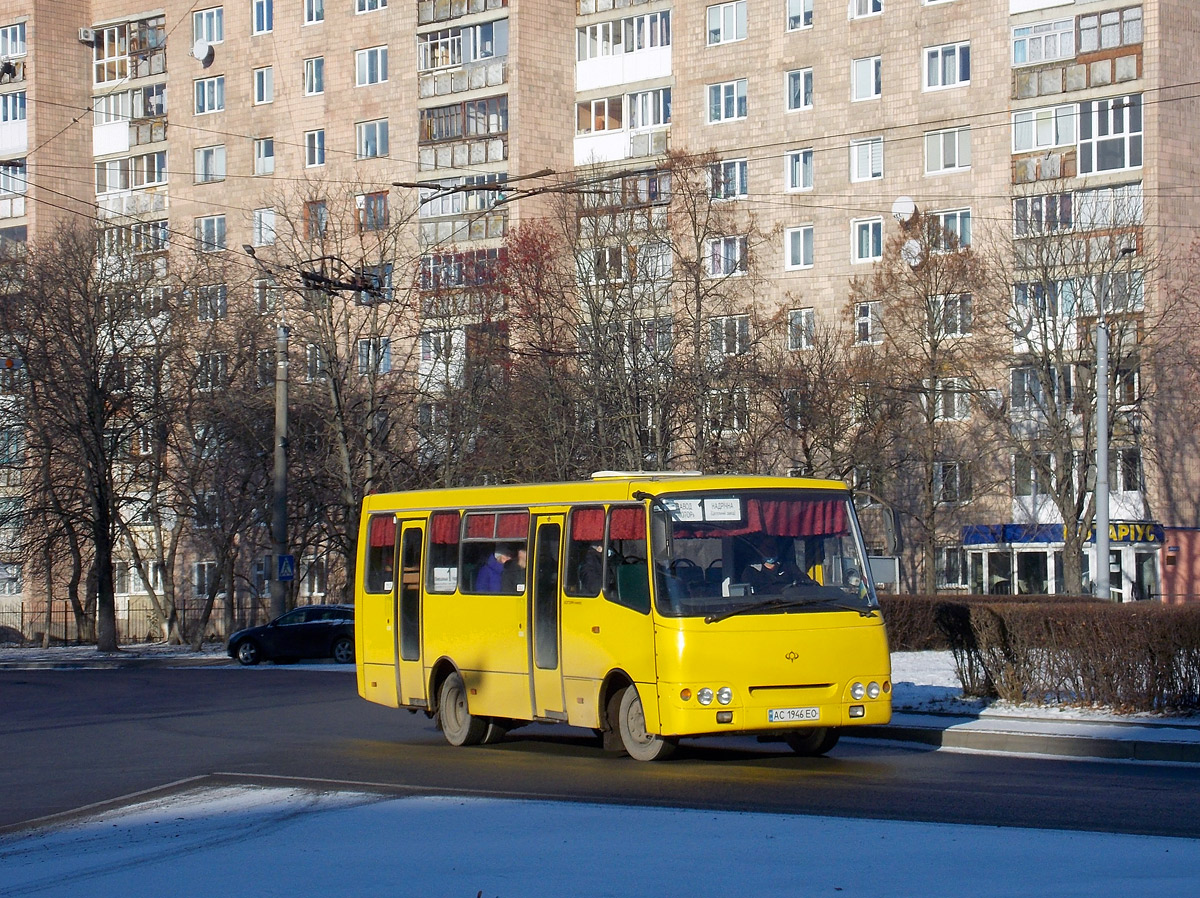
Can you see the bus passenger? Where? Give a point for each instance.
(490, 576)
(512, 578)
(591, 569)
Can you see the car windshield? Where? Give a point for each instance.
(758, 551)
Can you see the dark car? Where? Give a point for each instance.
(314, 631)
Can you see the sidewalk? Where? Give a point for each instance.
(928, 707)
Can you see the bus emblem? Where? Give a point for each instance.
(791, 656)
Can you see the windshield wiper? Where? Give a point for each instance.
(779, 604)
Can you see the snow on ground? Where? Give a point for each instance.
(288, 842)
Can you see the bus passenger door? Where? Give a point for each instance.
(544, 620)
(410, 674)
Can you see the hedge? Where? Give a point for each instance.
(1060, 649)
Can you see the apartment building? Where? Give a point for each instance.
(213, 126)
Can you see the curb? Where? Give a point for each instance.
(1013, 741)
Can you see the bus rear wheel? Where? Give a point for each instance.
(457, 724)
(812, 741)
(631, 725)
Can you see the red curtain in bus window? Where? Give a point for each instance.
(443, 528)
(587, 525)
(481, 526)
(382, 531)
(820, 517)
(627, 523)
(512, 525)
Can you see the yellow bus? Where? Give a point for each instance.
(644, 606)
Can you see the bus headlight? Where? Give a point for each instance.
(705, 696)
(724, 695)
(872, 690)
(857, 691)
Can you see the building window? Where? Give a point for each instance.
(948, 65)
(314, 11)
(798, 246)
(952, 230)
(868, 323)
(12, 107)
(726, 256)
(798, 171)
(371, 66)
(12, 41)
(647, 108)
(204, 578)
(947, 151)
(862, 8)
(315, 369)
(1119, 28)
(210, 233)
(1126, 473)
(952, 315)
(209, 25)
(264, 227)
(604, 114)
(726, 23)
(866, 159)
(210, 94)
(866, 78)
(13, 178)
(266, 301)
(212, 371)
(951, 566)
(729, 334)
(264, 156)
(728, 180)
(264, 85)
(314, 148)
(799, 14)
(1043, 42)
(212, 302)
(951, 399)
(1041, 129)
(110, 55)
(263, 12)
(316, 219)
(371, 139)
(951, 482)
(314, 76)
(369, 5)
(800, 89)
(374, 356)
(372, 211)
(728, 411)
(1043, 214)
(868, 239)
(801, 329)
(727, 101)
(1109, 207)
(1110, 134)
(620, 36)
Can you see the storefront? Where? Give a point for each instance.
(1007, 559)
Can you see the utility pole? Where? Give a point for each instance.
(1101, 580)
(279, 479)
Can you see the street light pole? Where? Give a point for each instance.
(279, 478)
(1101, 580)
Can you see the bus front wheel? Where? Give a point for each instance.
(458, 725)
(631, 724)
(812, 741)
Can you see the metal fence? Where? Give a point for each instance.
(136, 622)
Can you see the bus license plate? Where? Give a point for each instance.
(793, 715)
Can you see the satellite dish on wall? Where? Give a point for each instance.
(911, 252)
(904, 209)
(203, 51)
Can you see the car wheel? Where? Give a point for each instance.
(631, 724)
(248, 653)
(343, 650)
(812, 741)
(457, 723)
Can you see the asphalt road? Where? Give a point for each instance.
(70, 739)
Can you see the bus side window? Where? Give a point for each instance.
(628, 576)
(585, 552)
(442, 573)
(381, 552)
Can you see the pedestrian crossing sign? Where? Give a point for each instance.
(285, 567)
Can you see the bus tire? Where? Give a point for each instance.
(631, 724)
(813, 741)
(497, 728)
(455, 720)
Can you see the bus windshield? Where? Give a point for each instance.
(716, 555)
